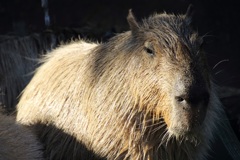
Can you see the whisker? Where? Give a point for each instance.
(150, 120)
(163, 139)
(206, 35)
(219, 72)
(155, 124)
(158, 128)
(181, 139)
(168, 138)
(224, 60)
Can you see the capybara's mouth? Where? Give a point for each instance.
(187, 122)
(190, 102)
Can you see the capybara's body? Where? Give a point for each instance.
(18, 142)
(145, 94)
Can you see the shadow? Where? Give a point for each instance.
(218, 151)
(61, 146)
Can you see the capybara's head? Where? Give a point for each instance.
(174, 71)
(164, 62)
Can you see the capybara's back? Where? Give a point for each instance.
(144, 94)
(18, 142)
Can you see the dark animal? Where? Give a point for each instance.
(19, 58)
(145, 94)
(18, 142)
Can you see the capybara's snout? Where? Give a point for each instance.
(190, 104)
(190, 97)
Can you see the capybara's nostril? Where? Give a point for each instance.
(192, 96)
(179, 99)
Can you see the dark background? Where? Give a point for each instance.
(219, 20)
(99, 19)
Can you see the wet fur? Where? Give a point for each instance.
(113, 97)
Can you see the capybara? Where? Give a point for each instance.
(18, 142)
(146, 94)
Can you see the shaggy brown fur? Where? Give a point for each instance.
(18, 142)
(145, 94)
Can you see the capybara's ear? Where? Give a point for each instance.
(132, 22)
(189, 14)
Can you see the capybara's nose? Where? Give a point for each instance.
(192, 97)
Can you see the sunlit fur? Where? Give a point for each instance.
(18, 142)
(115, 98)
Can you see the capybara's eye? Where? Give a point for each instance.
(179, 99)
(148, 47)
(149, 51)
